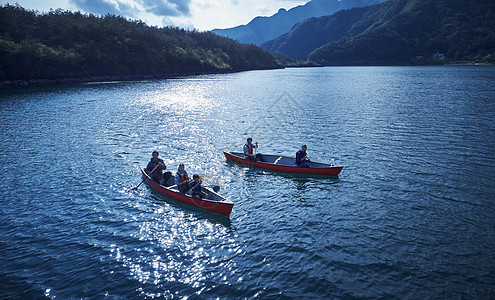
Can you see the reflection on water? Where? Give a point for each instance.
(410, 215)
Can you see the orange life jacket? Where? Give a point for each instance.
(157, 170)
(183, 177)
(250, 148)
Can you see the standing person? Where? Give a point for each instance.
(155, 169)
(196, 189)
(301, 158)
(249, 148)
(182, 180)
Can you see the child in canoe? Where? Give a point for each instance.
(196, 189)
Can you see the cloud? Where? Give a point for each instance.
(178, 22)
(103, 7)
(168, 8)
(133, 8)
(200, 14)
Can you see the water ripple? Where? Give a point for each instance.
(409, 217)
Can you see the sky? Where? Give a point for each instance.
(197, 14)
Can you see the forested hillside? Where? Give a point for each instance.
(70, 45)
(396, 32)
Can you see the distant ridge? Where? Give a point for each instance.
(396, 32)
(262, 29)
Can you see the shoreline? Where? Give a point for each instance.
(105, 78)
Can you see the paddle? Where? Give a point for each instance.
(215, 188)
(257, 158)
(135, 188)
(180, 183)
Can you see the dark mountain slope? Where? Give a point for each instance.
(396, 32)
(308, 35)
(262, 29)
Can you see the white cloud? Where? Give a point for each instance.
(199, 14)
(105, 7)
(211, 14)
(167, 8)
(41, 5)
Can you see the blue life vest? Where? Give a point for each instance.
(196, 187)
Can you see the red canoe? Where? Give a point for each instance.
(214, 202)
(285, 164)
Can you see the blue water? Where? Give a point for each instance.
(412, 214)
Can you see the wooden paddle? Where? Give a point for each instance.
(215, 188)
(180, 183)
(135, 188)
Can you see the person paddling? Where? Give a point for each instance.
(301, 158)
(182, 180)
(249, 148)
(155, 169)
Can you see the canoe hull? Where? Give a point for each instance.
(317, 169)
(219, 207)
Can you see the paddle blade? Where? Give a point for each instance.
(136, 187)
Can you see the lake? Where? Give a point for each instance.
(412, 215)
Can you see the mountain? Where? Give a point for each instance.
(262, 29)
(72, 46)
(396, 32)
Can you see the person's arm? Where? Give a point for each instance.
(164, 167)
(246, 149)
(176, 179)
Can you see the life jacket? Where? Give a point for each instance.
(250, 148)
(157, 170)
(183, 177)
(303, 156)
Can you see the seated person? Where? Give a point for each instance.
(182, 180)
(249, 149)
(301, 159)
(155, 169)
(196, 189)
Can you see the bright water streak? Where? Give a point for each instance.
(411, 215)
